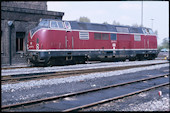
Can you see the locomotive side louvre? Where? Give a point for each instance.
(77, 41)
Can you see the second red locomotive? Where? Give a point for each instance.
(59, 42)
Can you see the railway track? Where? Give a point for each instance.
(48, 75)
(28, 66)
(91, 97)
(7, 68)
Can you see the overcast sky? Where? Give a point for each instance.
(124, 12)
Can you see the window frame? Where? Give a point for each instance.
(134, 30)
(146, 31)
(51, 24)
(151, 31)
(106, 38)
(98, 38)
(113, 34)
(18, 42)
(59, 25)
(43, 24)
(66, 25)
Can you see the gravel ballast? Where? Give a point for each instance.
(36, 89)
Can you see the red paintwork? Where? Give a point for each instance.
(56, 39)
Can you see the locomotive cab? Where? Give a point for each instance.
(44, 38)
(149, 43)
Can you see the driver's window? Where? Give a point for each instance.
(67, 25)
(147, 31)
(150, 31)
(60, 24)
(54, 24)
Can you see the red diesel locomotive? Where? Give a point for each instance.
(59, 42)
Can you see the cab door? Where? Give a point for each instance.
(113, 38)
(69, 40)
(146, 38)
(146, 42)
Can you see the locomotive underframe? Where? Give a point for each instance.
(74, 57)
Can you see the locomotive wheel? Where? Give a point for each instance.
(132, 59)
(79, 60)
(48, 63)
(151, 57)
(140, 57)
(60, 61)
(123, 59)
(55, 62)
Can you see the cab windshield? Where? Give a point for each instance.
(44, 23)
(148, 31)
(60, 24)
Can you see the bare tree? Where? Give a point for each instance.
(156, 32)
(116, 23)
(135, 25)
(84, 19)
(105, 23)
(164, 44)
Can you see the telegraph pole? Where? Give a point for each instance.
(152, 23)
(142, 14)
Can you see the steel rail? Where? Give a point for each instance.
(76, 93)
(114, 98)
(72, 72)
(7, 68)
(28, 66)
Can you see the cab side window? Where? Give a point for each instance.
(67, 25)
(146, 31)
(113, 36)
(150, 31)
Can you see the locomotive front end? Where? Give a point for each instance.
(36, 39)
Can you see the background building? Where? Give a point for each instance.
(17, 18)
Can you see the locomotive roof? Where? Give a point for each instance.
(100, 27)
